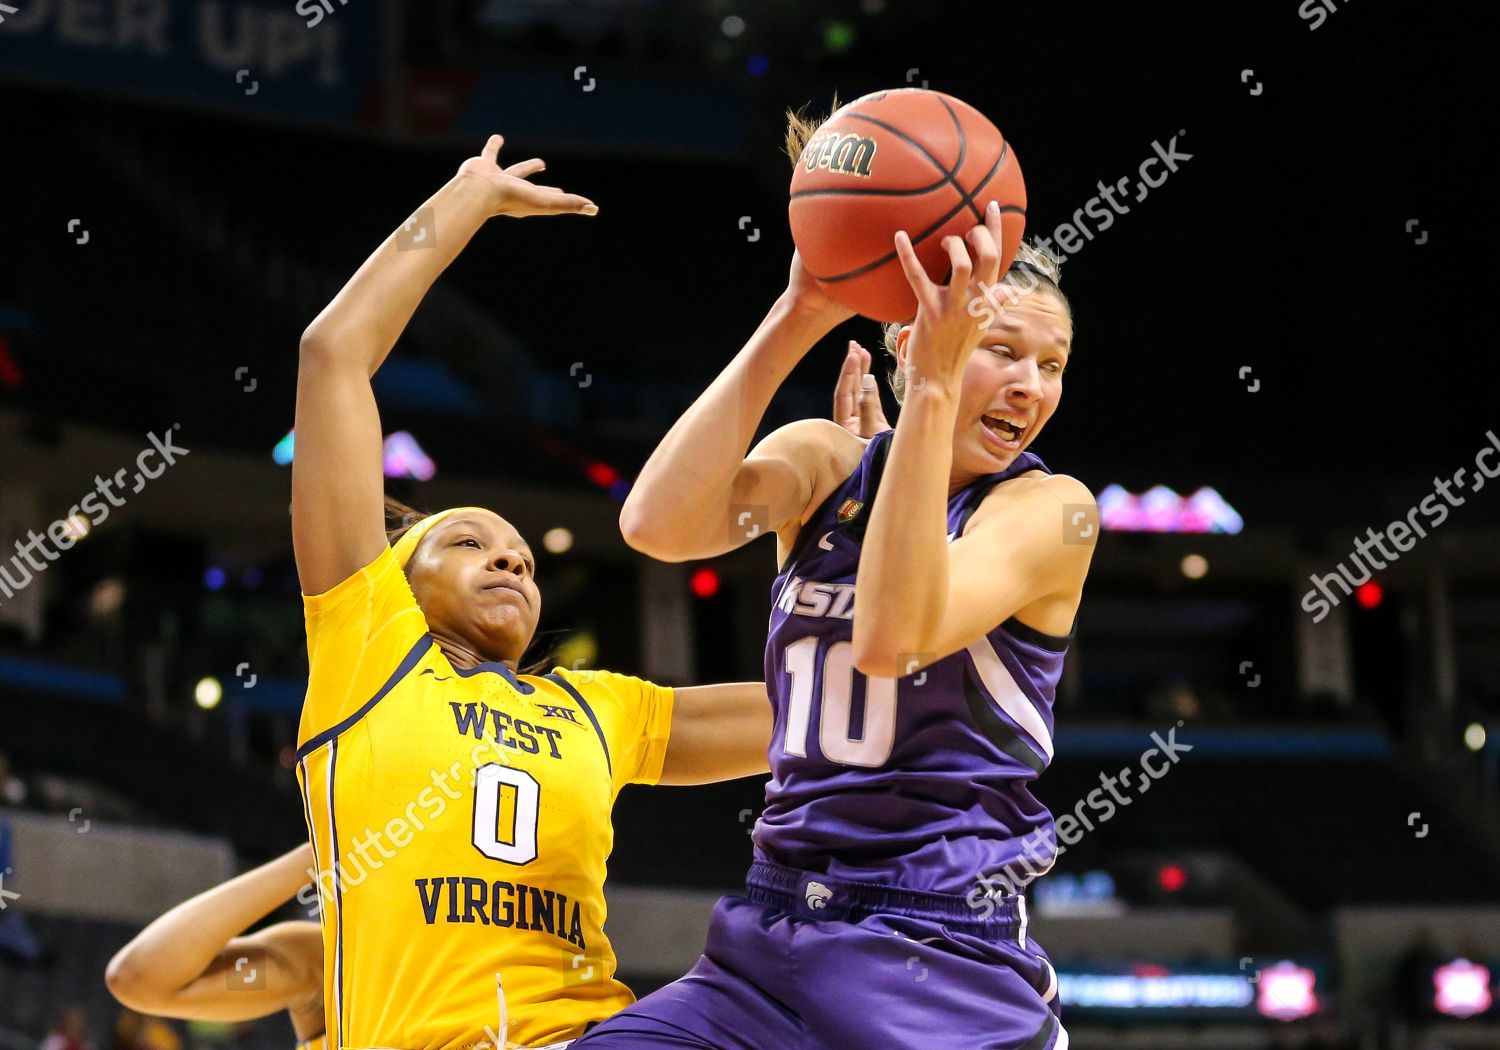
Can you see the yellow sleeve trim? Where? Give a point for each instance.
(367, 577)
(658, 732)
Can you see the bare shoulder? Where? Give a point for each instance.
(1037, 489)
(814, 442)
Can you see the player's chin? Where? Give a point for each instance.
(510, 622)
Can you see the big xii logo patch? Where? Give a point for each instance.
(849, 510)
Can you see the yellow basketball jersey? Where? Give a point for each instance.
(460, 820)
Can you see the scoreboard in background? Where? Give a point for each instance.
(1247, 990)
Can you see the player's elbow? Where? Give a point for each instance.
(315, 342)
(888, 649)
(128, 981)
(646, 533)
(876, 658)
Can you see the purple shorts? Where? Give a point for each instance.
(802, 961)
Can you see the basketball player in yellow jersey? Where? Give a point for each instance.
(459, 811)
(195, 963)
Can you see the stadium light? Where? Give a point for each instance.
(207, 693)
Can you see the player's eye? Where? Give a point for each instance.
(1001, 350)
(468, 540)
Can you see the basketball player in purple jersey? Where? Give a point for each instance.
(912, 711)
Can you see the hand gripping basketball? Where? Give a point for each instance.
(944, 332)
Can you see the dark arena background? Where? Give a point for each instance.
(1281, 395)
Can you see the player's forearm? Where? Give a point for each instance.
(903, 565)
(365, 319)
(678, 507)
(176, 948)
(719, 732)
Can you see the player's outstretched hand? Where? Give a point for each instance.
(856, 396)
(512, 194)
(944, 332)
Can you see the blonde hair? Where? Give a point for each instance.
(1033, 268)
(800, 128)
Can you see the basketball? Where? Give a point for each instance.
(907, 159)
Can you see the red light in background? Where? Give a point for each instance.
(11, 376)
(603, 474)
(1172, 877)
(704, 582)
(1369, 594)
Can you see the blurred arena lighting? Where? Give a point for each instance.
(251, 578)
(11, 376)
(107, 597)
(404, 458)
(558, 540)
(757, 65)
(214, 578)
(1160, 509)
(704, 582)
(602, 474)
(619, 490)
(1171, 877)
(732, 26)
(578, 650)
(207, 693)
(1369, 595)
(282, 453)
(1461, 989)
(1195, 566)
(838, 36)
(1474, 737)
(1288, 992)
(77, 526)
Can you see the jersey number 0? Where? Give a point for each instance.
(506, 797)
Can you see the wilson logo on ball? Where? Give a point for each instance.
(847, 154)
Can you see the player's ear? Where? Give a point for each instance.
(902, 338)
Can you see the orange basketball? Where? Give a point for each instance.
(907, 159)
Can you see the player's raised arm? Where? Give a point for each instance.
(680, 505)
(181, 964)
(1013, 556)
(337, 482)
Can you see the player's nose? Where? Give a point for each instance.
(511, 561)
(1025, 384)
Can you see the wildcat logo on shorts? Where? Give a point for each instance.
(845, 154)
(817, 896)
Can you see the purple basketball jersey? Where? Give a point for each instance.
(921, 782)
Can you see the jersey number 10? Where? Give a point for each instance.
(835, 738)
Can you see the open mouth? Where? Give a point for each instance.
(1009, 429)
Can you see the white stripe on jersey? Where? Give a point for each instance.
(1001, 685)
(1051, 992)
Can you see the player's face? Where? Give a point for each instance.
(1012, 383)
(475, 579)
